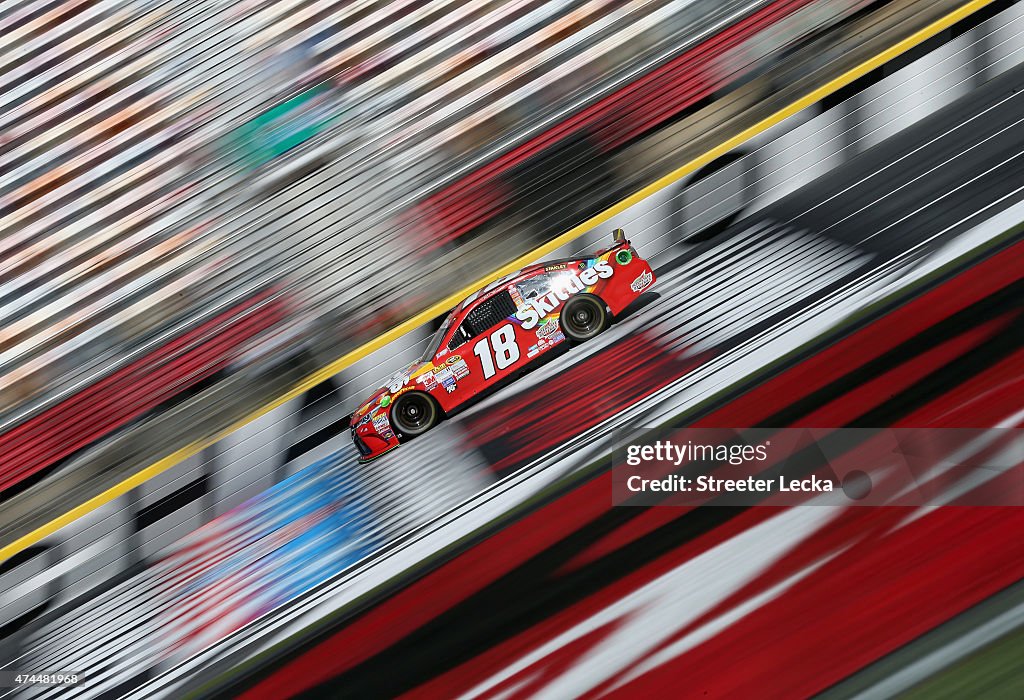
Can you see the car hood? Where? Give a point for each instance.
(403, 378)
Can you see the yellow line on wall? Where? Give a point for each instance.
(451, 300)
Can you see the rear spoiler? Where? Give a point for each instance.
(619, 240)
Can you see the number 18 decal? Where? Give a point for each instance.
(501, 351)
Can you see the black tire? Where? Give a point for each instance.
(583, 317)
(414, 413)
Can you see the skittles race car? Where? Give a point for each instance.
(498, 333)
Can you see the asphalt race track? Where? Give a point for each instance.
(624, 588)
(645, 601)
(788, 272)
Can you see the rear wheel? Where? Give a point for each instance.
(414, 413)
(583, 317)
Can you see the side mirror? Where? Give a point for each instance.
(619, 236)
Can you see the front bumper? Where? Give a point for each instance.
(370, 443)
(361, 447)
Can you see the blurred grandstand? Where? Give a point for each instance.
(187, 189)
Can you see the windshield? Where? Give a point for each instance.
(435, 341)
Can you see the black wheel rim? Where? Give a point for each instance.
(583, 318)
(413, 414)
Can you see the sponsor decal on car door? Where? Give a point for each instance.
(560, 288)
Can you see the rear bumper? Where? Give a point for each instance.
(632, 280)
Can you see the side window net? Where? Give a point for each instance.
(490, 313)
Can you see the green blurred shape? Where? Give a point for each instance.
(993, 672)
(285, 126)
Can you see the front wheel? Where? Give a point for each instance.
(583, 317)
(414, 413)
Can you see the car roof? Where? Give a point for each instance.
(496, 286)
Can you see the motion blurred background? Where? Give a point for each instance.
(222, 222)
(190, 187)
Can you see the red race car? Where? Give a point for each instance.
(495, 335)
